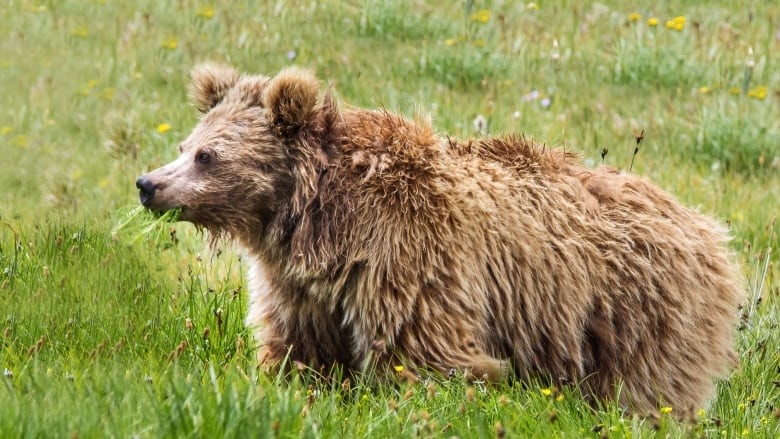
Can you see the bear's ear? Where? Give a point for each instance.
(210, 83)
(290, 98)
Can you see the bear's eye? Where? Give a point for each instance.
(204, 157)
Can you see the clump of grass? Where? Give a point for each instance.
(649, 63)
(464, 67)
(404, 21)
(726, 139)
(139, 221)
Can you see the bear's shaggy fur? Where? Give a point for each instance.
(374, 240)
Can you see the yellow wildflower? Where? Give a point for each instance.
(559, 398)
(398, 368)
(163, 128)
(21, 141)
(170, 43)
(205, 12)
(481, 16)
(532, 6)
(665, 410)
(6, 130)
(759, 93)
(746, 432)
(676, 23)
(633, 17)
(652, 22)
(701, 413)
(704, 90)
(107, 94)
(450, 41)
(546, 391)
(80, 31)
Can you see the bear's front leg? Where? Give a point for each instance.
(313, 340)
(272, 348)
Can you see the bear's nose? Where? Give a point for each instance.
(145, 189)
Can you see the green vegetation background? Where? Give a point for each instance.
(103, 336)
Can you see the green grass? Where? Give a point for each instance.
(107, 336)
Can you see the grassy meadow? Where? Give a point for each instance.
(105, 335)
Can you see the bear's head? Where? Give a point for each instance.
(254, 155)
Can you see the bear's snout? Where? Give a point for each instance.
(146, 189)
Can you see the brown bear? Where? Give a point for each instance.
(374, 241)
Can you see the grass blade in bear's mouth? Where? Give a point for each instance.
(140, 221)
(167, 216)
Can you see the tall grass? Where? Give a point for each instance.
(104, 336)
